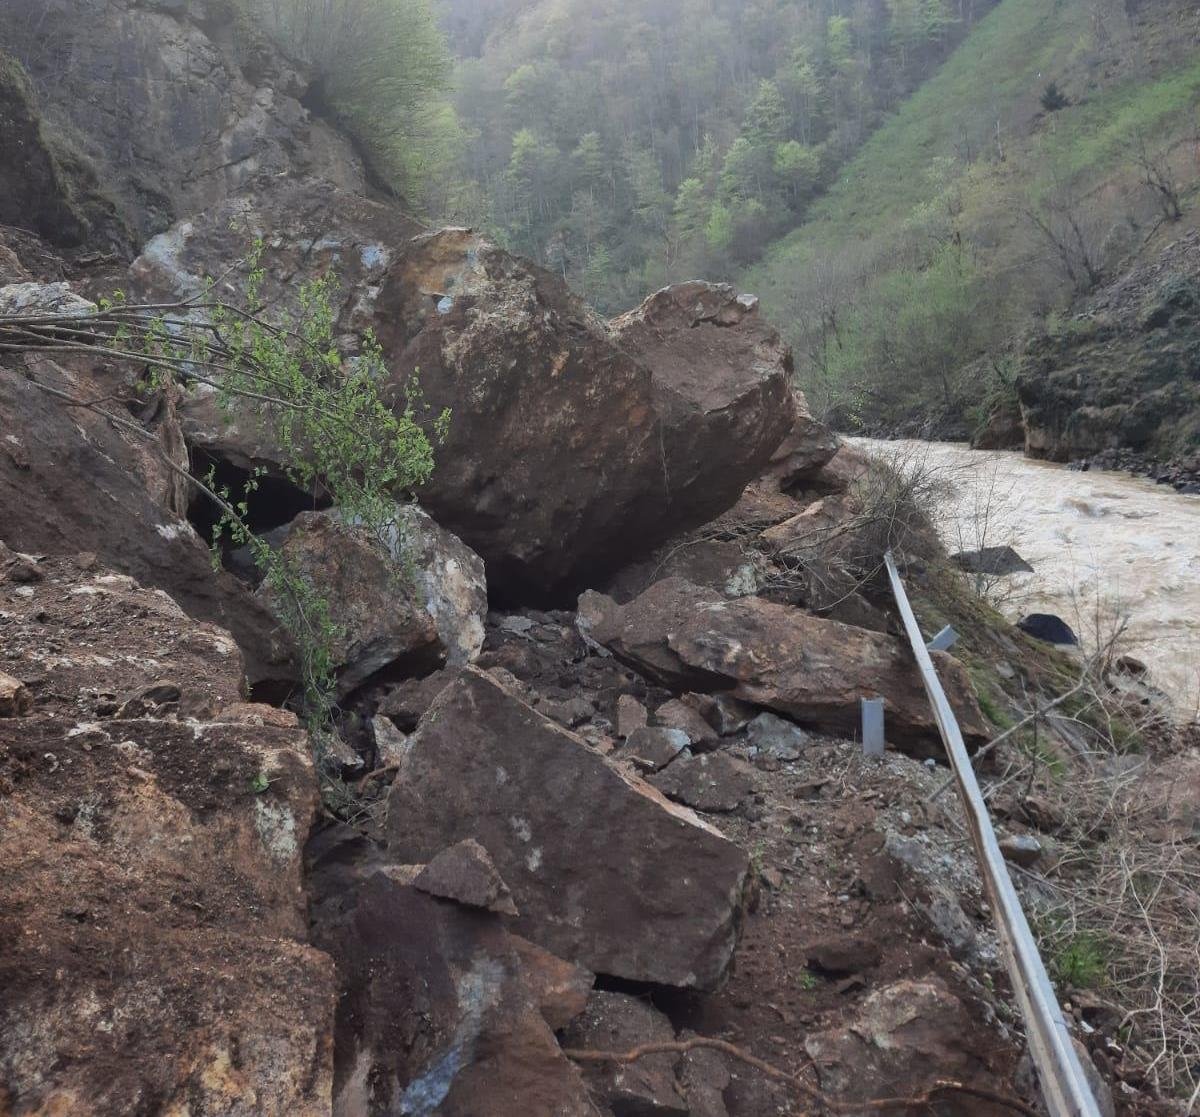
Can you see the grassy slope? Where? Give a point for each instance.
(996, 76)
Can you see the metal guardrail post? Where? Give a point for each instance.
(1064, 1085)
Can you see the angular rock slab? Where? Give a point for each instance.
(441, 1010)
(604, 871)
(813, 670)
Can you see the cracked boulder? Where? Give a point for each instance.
(603, 870)
(812, 670)
(574, 446)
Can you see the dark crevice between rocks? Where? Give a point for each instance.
(272, 505)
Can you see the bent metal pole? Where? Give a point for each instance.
(1064, 1085)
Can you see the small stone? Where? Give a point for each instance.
(391, 743)
(631, 715)
(772, 878)
(466, 874)
(15, 698)
(712, 782)
(679, 715)
(22, 571)
(516, 624)
(776, 737)
(572, 712)
(1021, 849)
(653, 747)
(844, 954)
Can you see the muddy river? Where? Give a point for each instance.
(1106, 549)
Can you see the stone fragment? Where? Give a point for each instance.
(390, 743)
(560, 988)
(991, 560)
(631, 715)
(15, 698)
(619, 1022)
(679, 715)
(484, 765)
(776, 737)
(845, 954)
(1021, 849)
(1048, 628)
(466, 874)
(653, 747)
(711, 782)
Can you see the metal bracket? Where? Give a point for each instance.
(943, 641)
(872, 726)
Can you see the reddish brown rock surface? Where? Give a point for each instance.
(152, 912)
(661, 896)
(813, 670)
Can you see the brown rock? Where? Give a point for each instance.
(617, 1022)
(712, 782)
(155, 921)
(560, 988)
(15, 698)
(97, 641)
(677, 714)
(356, 576)
(100, 483)
(905, 1036)
(406, 702)
(436, 1013)
(845, 954)
(483, 764)
(631, 715)
(815, 671)
(803, 452)
(466, 874)
(546, 399)
(653, 747)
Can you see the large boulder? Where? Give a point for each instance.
(572, 447)
(441, 1010)
(176, 106)
(721, 379)
(153, 924)
(803, 453)
(410, 602)
(661, 899)
(811, 669)
(70, 482)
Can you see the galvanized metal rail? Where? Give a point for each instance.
(1064, 1086)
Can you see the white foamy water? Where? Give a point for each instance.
(1102, 545)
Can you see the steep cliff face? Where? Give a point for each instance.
(1125, 371)
(174, 105)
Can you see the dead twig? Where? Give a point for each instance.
(681, 1047)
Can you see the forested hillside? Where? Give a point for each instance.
(1056, 147)
(636, 143)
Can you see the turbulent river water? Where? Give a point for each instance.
(1103, 546)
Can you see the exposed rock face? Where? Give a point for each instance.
(1124, 372)
(811, 669)
(151, 906)
(44, 186)
(661, 899)
(195, 104)
(110, 495)
(437, 1015)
